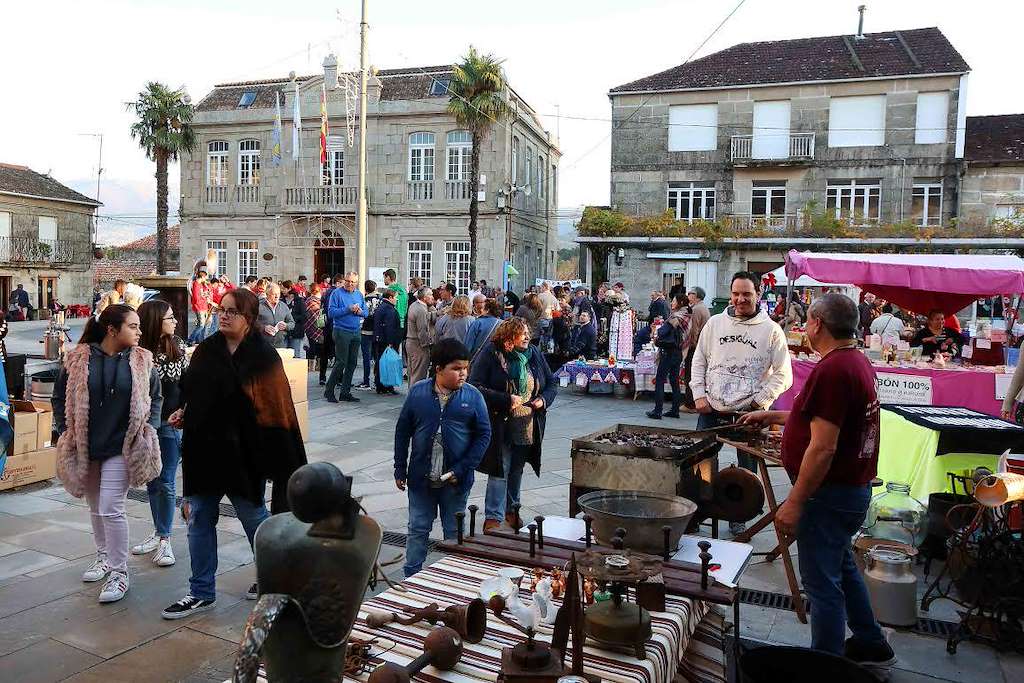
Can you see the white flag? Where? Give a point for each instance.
(296, 125)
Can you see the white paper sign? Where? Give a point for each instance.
(906, 389)
(983, 343)
(1002, 385)
(967, 352)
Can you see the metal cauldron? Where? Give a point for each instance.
(641, 514)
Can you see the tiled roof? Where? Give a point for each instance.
(125, 267)
(23, 180)
(995, 138)
(148, 243)
(829, 58)
(396, 84)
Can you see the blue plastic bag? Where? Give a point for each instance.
(390, 368)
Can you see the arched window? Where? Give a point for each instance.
(421, 157)
(217, 163)
(249, 162)
(515, 160)
(460, 154)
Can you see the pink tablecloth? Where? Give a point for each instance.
(968, 388)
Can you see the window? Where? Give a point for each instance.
(460, 154)
(693, 128)
(220, 251)
(692, 201)
(217, 163)
(47, 228)
(421, 157)
(249, 162)
(856, 121)
(456, 257)
(932, 115)
(439, 86)
(528, 169)
(248, 259)
(768, 200)
(5, 223)
(247, 98)
(515, 160)
(541, 190)
(857, 200)
(420, 254)
(926, 208)
(334, 167)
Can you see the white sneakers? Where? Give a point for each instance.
(115, 587)
(163, 556)
(98, 571)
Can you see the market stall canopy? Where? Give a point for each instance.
(917, 282)
(804, 280)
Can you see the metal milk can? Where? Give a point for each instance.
(892, 586)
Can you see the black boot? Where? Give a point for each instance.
(655, 415)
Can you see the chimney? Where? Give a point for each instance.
(331, 71)
(860, 23)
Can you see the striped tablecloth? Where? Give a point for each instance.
(686, 644)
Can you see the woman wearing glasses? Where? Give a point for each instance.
(158, 324)
(239, 430)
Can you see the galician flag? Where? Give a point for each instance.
(296, 126)
(323, 124)
(275, 149)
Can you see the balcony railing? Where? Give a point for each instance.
(421, 190)
(456, 189)
(32, 250)
(743, 148)
(247, 194)
(216, 194)
(321, 197)
(780, 223)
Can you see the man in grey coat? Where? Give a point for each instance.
(275, 317)
(420, 322)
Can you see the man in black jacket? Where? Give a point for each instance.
(387, 331)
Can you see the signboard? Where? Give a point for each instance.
(377, 275)
(1002, 385)
(905, 389)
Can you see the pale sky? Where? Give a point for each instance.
(69, 66)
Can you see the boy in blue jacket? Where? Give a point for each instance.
(445, 420)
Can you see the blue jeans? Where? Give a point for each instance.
(366, 343)
(834, 587)
(424, 504)
(161, 490)
(346, 356)
(202, 537)
(296, 346)
(716, 419)
(503, 492)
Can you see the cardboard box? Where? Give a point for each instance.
(35, 417)
(302, 412)
(286, 353)
(297, 370)
(28, 468)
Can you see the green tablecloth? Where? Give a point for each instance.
(907, 454)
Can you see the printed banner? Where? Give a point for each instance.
(905, 389)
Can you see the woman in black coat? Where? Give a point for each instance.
(518, 387)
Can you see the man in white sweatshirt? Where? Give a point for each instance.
(741, 363)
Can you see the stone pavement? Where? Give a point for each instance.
(52, 628)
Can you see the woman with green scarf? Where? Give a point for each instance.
(518, 388)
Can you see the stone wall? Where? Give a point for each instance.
(985, 189)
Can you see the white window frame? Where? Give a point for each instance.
(419, 255)
(853, 196)
(6, 219)
(248, 259)
(929, 192)
(515, 160)
(456, 262)
(421, 157)
(459, 155)
(849, 124)
(50, 231)
(692, 128)
(333, 169)
(249, 162)
(772, 192)
(931, 118)
(221, 249)
(696, 195)
(217, 154)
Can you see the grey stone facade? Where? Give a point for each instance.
(992, 191)
(300, 224)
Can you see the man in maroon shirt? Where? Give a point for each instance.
(830, 450)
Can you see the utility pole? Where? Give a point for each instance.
(99, 174)
(361, 209)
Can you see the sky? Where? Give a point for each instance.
(68, 67)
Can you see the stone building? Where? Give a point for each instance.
(46, 236)
(761, 137)
(299, 218)
(135, 259)
(992, 187)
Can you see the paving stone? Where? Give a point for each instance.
(25, 561)
(65, 579)
(8, 548)
(45, 661)
(58, 540)
(1012, 665)
(27, 505)
(227, 623)
(927, 655)
(29, 626)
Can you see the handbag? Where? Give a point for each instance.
(390, 368)
(321, 320)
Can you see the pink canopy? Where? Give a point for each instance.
(918, 282)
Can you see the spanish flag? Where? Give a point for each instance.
(323, 124)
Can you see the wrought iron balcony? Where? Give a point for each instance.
(320, 197)
(32, 250)
(747, 148)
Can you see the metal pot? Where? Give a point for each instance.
(641, 514)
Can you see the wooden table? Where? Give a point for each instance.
(782, 549)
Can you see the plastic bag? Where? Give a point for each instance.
(390, 368)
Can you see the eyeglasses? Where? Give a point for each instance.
(171, 317)
(228, 312)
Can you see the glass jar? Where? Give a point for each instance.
(895, 515)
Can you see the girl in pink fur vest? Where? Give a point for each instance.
(106, 408)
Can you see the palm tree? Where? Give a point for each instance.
(163, 130)
(478, 100)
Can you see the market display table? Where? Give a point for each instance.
(920, 444)
(594, 373)
(974, 388)
(686, 643)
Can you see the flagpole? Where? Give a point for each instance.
(297, 146)
(361, 211)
